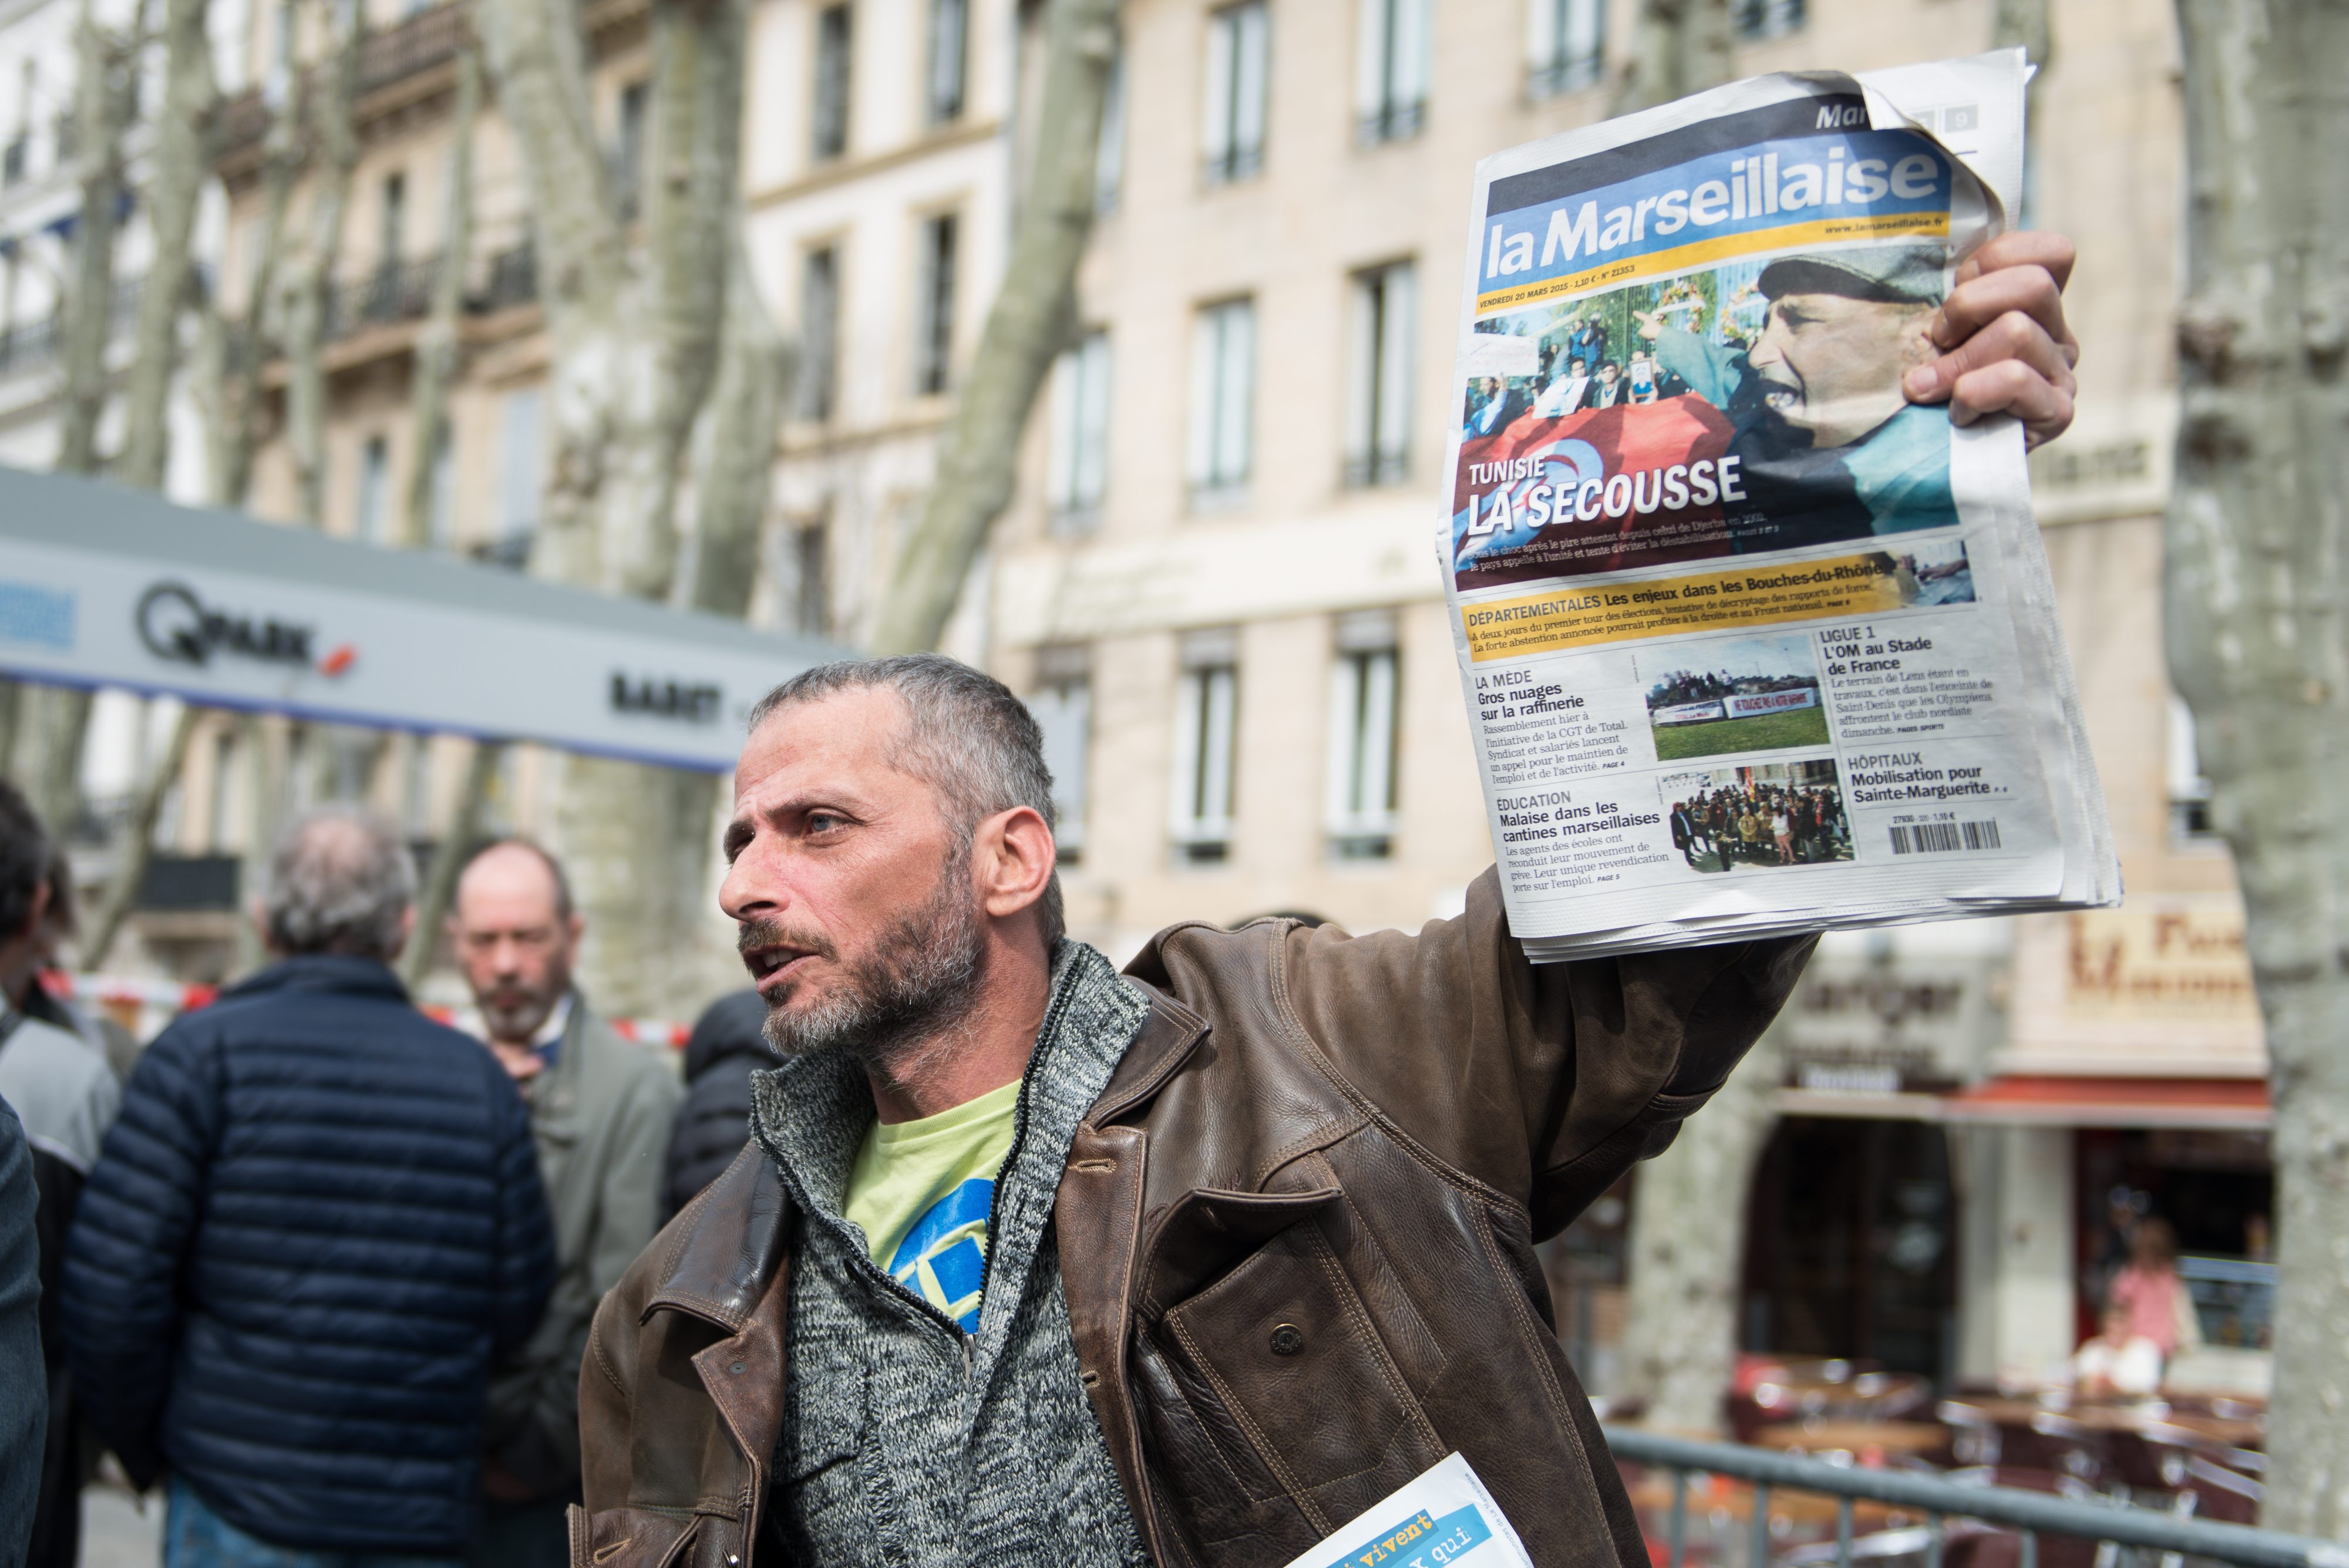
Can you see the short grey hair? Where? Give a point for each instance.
(340, 882)
(969, 739)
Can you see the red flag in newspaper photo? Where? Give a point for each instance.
(1596, 490)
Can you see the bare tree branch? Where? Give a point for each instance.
(129, 865)
(233, 349)
(1035, 305)
(307, 288)
(441, 882)
(106, 81)
(436, 341)
(737, 454)
(178, 167)
(633, 324)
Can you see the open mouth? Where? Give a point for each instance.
(774, 965)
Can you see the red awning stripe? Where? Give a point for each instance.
(2115, 1102)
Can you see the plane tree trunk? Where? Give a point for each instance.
(2255, 554)
(436, 341)
(178, 166)
(1687, 1235)
(1029, 325)
(52, 722)
(635, 317)
(310, 284)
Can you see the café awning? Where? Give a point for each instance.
(2085, 1102)
(103, 586)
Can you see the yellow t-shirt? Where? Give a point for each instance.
(922, 1191)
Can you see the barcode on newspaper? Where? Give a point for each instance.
(1931, 837)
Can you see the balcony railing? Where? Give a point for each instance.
(402, 291)
(34, 345)
(1939, 1500)
(431, 37)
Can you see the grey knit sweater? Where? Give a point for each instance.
(905, 1441)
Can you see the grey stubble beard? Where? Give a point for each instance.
(907, 1005)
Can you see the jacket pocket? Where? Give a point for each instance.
(1227, 1508)
(1285, 1357)
(629, 1538)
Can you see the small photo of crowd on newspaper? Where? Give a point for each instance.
(1751, 694)
(1763, 817)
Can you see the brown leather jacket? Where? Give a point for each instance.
(1297, 1237)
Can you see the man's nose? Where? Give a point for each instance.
(750, 890)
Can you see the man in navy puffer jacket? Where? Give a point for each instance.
(313, 1229)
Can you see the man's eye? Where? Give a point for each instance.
(824, 821)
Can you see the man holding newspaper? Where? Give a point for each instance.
(1219, 1262)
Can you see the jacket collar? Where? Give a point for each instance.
(343, 974)
(732, 1238)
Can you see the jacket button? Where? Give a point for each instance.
(1288, 1339)
(738, 1368)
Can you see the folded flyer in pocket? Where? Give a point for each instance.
(1443, 1516)
(1749, 642)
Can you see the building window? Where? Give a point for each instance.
(1360, 812)
(1063, 708)
(521, 478)
(949, 27)
(1080, 448)
(394, 235)
(628, 152)
(933, 346)
(2189, 791)
(1566, 46)
(1760, 19)
(1222, 403)
(1109, 156)
(391, 244)
(375, 482)
(830, 97)
(1206, 733)
(1378, 435)
(14, 160)
(819, 332)
(1233, 146)
(1391, 70)
(812, 578)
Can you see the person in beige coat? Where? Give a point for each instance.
(601, 1110)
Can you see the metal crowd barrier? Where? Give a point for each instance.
(2031, 1513)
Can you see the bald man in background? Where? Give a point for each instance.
(601, 1110)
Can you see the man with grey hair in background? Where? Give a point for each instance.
(312, 1230)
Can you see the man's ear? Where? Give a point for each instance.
(1012, 855)
(407, 931)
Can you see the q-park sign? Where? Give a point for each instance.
(107, 586)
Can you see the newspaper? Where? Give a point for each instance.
(1750, 643)
(1442, 1516)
